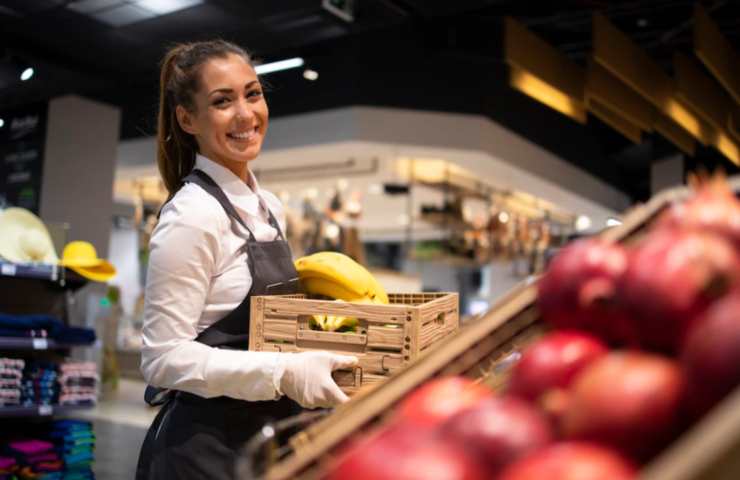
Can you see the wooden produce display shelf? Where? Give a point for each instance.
(485, 350)
(388, 337)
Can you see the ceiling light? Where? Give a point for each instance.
(277, 66)
(583, 223)
(503, 217)
(613, 222)
(163, 7)
(2, 123)
(309, 74)
(27, 74)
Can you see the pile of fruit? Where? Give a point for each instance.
(336, 276)
(644, 340)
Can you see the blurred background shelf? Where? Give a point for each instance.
(19, 343)
(10, 411)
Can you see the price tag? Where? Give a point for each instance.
(45, 410)
(40, 344)
(7, 269)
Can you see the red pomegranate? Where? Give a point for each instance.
(360, 459)
(711, 354)
(579, 288)
(627, 399)
(498, 430)
(553, 361)
(714, 208)
(571, 461)
(441, 398)
(671, 278)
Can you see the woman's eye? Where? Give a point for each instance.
(254, 93)
(221, 101)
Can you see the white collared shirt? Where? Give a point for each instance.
(197, 274)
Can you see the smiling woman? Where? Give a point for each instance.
(218, 241)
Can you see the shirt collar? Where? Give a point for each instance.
(245, 196)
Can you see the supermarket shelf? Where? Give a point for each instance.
(41, 271)
(8, 411)
(18, 343)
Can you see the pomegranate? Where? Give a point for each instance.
(628, 399)
(673, 276)
(579, 290)
(714, 208)
(711, 353)
(571, 461)
(441, 398)
(499, 430)
(376, 455)
(553, 361)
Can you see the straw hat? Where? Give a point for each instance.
(82, 258)
(24, 237)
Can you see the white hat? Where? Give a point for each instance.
(24, 237)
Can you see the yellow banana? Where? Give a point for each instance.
(352, 281)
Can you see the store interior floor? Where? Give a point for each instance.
(120, 421)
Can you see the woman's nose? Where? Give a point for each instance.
(243, 110)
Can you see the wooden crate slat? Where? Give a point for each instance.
(388, 336)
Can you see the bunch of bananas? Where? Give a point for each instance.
(337, 276)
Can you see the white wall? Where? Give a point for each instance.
(79, 163)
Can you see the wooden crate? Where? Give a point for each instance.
(483, 350)
(388, 336)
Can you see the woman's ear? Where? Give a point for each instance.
(185, 119)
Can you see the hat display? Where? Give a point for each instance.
(24, 237)
(81, 257)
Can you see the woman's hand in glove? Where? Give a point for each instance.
(306, 377)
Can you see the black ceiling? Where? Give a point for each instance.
(422, 54)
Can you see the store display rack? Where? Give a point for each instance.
(41, 271)
(28, 279)
(16, 343)
(11, 411)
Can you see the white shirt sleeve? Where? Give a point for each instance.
(184, 251)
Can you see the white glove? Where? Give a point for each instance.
(306, 377)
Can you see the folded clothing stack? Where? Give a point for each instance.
(7, 467)
(39, 385)
(35, 459)
(11, 374)
(43, 326)
(74, 440)
(78, 383)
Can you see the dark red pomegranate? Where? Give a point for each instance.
(672, 277)
(711, 354)
(714, 208)
(441, 398)
(629, 400)
(579, 289)
(498, 430)
(571, 461)
(377, 454)
(553, 361)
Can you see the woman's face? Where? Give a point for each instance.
(230, 117)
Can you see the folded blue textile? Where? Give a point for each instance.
(54, 327)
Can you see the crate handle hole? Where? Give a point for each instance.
(440, 318)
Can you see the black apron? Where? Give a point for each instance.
(197, 438)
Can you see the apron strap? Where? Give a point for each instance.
(202, 179)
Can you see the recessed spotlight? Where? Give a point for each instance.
(27, 73)
(309, 74)
(613, 222)
(642, 22)
(583, 223)
(2, 123)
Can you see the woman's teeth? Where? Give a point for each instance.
(242, 135)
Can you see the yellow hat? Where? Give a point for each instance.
(82, 258)
(24, 237)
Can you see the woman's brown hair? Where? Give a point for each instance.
(179, 80)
